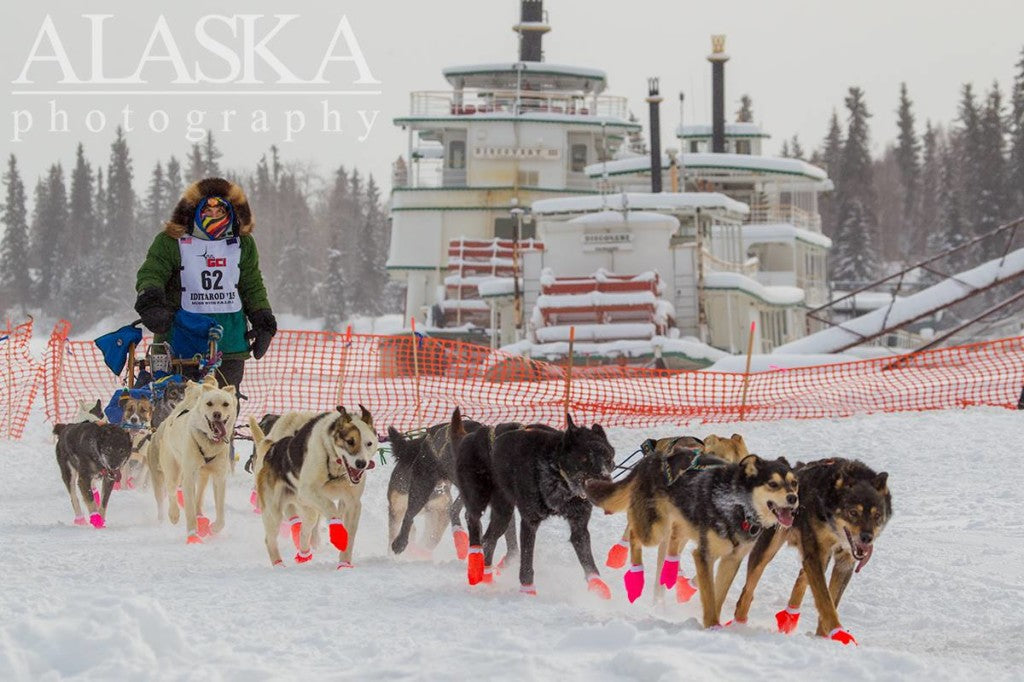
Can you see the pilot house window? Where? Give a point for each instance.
(578, 154)
(457, 154)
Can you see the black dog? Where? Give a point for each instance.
(422, 478)
(540, 471)
(88, 450)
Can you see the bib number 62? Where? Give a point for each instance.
(211, 279)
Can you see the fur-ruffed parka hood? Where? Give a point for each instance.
(184, 211)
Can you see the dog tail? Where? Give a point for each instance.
(612, 496)
(257, 432)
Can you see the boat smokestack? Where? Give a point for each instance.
(531, 29)
(654, 102)
(718, 58)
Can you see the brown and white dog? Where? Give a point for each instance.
(192, 446)
(317, 473)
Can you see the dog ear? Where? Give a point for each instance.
(394, 436)
(749, 464)
(569, 425)
(123, 399)
(879, 482)
(782, 460)
(229, 389)
(737, 438)
(365, 416)
(99, 405)
(599, 430)
(711, 440)
(344, 414)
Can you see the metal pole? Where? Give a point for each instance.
(746, 372)
(416, 371)
(568, 374)
(517, 215)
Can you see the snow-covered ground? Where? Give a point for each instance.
(941, 599)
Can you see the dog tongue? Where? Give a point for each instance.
(785, 515)
(218, 429)
(867, 555)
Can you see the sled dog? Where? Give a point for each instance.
(844, 507)
(86, 451)
(722, 508)
(317, 473)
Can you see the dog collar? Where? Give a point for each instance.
(203, 454)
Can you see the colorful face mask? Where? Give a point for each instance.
(214, 218)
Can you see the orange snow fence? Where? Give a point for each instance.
(317, 370)
(19, 378)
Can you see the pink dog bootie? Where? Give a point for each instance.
(338, 534)
(95, 496)
(96, 520)
(617, 555)
(80, 521)
(598, 586)
(684, 589)
(787, 619)
(202, 526)
(634, 581)
(254, 500)
(344, 564)
(669, 571)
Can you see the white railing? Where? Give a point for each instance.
(748, 268)
(512, 102)
(784, 213)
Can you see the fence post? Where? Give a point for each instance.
(568, 375)
(416, 371)
(344, 363)
(9, 378)
(746, 372)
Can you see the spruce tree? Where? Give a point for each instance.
(830, 156)
(80, 296)
(745, 114)
(53, 245)
(334, 288)
(173, 184)
(856, 253)
(156, 207)
(992, 162)
(374, 275)
(796, 150)
(855, 259)
(211, 157)
(929, 195)
(908, 153)
(971, 162)
(196, 164)
(784, 149)
(126, 238)
(1015, 165)
(15, 279)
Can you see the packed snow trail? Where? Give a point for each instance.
(938, 601)
(906, 309)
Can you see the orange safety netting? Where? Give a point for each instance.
(410, 384)
(20, 379)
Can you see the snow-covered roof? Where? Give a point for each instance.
(774, 363)
(496, 286)
(596, 299)
(540, 117)
(669, 202)
(618, 219)
(687, 346)
(865, 300)
(731, 130)
(909, 308)
(776, 232)
(771, 165)
(598, 332)
(775, 295)
(506, 75)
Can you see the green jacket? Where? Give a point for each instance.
(162, 269)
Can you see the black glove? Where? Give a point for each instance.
(153, 309)
(264, 326)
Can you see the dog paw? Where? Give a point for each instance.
(842, 636)
(217, 526)
(684, 589)
(96, 519)
(598, 587)
(634, 582)
(617, 555)
(787, 619)
(193, 539)
(80, 521)
(669, 571)
(461, 540)
(475, 565)
(734, 621)
(302, 557)
(344, 564)
(338, 534)
(278, 563)
(528, 590)
(202, 526)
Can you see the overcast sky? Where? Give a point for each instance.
(796, 59)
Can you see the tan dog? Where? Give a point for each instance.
(194, 447)
(192, 390)
(317, 473)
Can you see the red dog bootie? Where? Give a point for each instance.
(475, 565)
(841, 635)
(193, 539)
(488, 578)
(634, 581)
(254, 500)
(617, 555)
(669, 571)
(296, 527)
(734, 621)
(302, 557)
(80, 521)
(180, 496)
(787, 619)
(598, 586)
(96, 520)
(117, 485)
(202, 526)
(461, 539)
(684, 589)
(338, 533)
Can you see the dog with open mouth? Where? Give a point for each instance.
(845, 505)
(722, 508)
(191, 447)
(137, 414)
(318, 473)
(541, 472)
(87, 451)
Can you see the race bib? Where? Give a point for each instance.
(209, 275)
